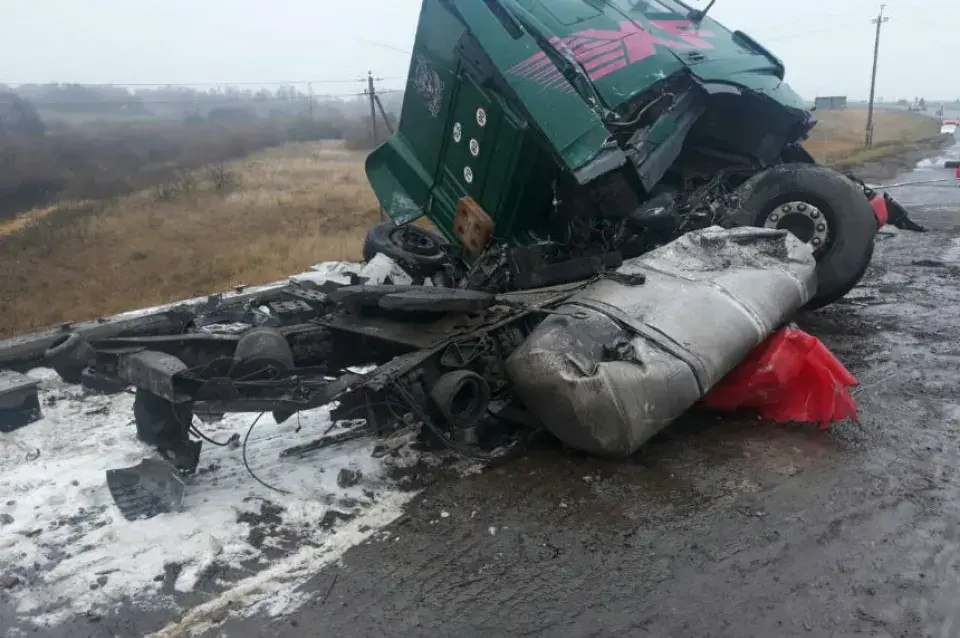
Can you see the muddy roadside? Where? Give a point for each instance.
(889, 166)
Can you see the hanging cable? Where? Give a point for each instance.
(246, 463)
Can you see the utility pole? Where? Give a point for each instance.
(879, 21)
(372, 94)
(310, 93)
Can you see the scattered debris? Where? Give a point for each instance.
(332, 517)
(348, 477)
(9, 582)
(19, 401)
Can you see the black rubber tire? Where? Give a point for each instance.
(70, 355)
(462, 397)
(853, 226)
(423, 257)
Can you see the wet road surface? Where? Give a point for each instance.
(720, 527)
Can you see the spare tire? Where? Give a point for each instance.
(417, 250)
(69, 355)
(822, 208)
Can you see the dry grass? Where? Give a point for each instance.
(839, 135)
(294, 206)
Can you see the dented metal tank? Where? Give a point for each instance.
(624, 359)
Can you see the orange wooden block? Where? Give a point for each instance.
(472, 226)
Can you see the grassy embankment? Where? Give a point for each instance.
(263, 218)
(838, 138)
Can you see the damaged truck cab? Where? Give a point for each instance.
(591, 126)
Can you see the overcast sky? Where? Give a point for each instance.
(826, 44)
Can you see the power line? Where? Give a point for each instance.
(804, 34)
(188, 84)
(792, 24)
(212, 100)
(385, 46)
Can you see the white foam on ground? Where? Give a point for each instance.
(63, 537)
(952, 254)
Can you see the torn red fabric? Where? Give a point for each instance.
(789, 377)
(879, 204)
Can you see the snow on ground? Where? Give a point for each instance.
(70, 551)
(952, 254)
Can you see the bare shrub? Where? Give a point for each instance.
(187, 181)
(224, 180)
(168, 191)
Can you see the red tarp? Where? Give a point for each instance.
(789, 377)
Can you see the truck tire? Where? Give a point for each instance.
(69, 355)
(417, 250)
(823, 208)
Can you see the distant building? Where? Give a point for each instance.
(831, 103)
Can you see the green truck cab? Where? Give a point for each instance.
(605, 125)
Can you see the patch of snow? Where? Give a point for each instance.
(381, 270)
(337, 268)
(61, 534)
(952, 254)
(319, 278)
(337, 271)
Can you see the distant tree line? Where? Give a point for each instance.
(43, 161)
(180, 101)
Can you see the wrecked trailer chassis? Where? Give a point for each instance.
(438, 357)
(430, 377)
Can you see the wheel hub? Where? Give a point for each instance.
(414, 242)
(804, 220)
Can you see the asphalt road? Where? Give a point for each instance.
(719, 527)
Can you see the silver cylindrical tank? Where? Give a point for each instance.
(635, 357)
